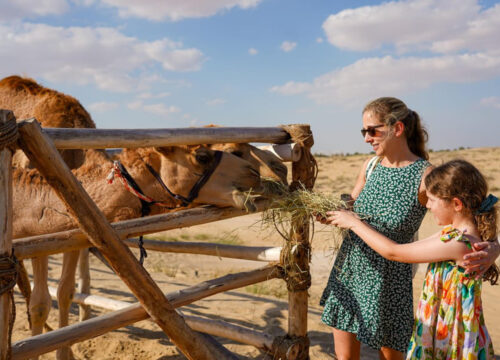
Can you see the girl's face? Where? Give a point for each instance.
(443, 210)
(376, 133)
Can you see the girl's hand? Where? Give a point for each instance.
(343, 218)
(481, 258)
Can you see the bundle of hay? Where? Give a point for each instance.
(301, 204)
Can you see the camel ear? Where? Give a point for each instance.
(165, 150)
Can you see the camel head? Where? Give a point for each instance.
(182, 166)
(266, 163)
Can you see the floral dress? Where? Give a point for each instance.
(449, 322)
(366, 294)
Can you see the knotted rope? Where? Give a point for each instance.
(8, 277)
(8, 132)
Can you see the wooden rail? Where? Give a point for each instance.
(134, 138)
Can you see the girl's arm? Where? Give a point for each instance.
(431, 249)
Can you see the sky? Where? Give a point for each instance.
(184, 63)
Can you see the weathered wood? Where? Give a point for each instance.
(285, 152)
(94, 327)
(69, 240)
(46, 158)
(256, 253)
(5, 233)
(302, 175)
(134, 138)
(213, 327)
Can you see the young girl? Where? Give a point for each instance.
(449, 320)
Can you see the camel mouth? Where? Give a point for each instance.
(244, 200)
(271, 188)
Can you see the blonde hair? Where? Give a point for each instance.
(391, 110)
(462, 180)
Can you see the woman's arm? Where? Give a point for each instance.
(360, 181)
(431, 249)
(422, 195)
(484, 255)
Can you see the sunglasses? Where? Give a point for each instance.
(371, 130)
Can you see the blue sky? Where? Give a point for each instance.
(181, 63)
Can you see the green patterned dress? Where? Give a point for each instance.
(366, 294)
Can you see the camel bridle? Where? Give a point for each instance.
(146, 202)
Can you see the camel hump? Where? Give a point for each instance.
(19, 84)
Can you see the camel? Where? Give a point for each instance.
(177, 167)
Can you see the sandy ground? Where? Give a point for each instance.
(260, 307)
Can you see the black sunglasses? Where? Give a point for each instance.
(370, 130)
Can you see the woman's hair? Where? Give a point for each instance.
(391, 110)
(460, 179)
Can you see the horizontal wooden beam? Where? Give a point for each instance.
(257, 253)
(208, 326)
(70, 240)
(91, 328)
(133, 138)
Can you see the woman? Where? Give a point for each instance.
(368, 298)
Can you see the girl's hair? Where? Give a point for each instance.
(391, 110)
(460, 179)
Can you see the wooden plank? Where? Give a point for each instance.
(208, 326)
(256, 253)
(94, 327)
(69, 240)
(134, 138)
(5, 233)
(39, 149)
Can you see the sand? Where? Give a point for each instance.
(259, 307)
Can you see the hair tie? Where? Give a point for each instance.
(487, 204)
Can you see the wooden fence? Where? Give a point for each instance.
(113, 241)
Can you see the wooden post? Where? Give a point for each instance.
(6, 117)
(41, 151)
(303, 175)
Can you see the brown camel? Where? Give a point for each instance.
(176, 165)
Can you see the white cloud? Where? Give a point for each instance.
(135, 105)
(253, 51)
(415, 23)
(15, 10)
(176, 10)
(161, 109)
(214, 102)
(319, 40)
(102, 56)
(288, 46)
(492, 101)
(102, 106)
(374, 77)
(148, 95)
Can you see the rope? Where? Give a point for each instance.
(8, 278)
(8, 132)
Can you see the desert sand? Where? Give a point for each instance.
(261, 307)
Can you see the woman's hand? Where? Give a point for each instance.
(343, 218)
(481, 258)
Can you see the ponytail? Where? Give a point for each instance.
(486, 223)
(391, 110)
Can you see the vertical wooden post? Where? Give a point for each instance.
(303, 176)
(42, 152)
(5, 229)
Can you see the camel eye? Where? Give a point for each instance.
(203, 158)
(237, 153)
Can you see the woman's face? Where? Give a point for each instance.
(377, 134)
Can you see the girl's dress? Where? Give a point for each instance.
(449, 322)
(366, 294)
